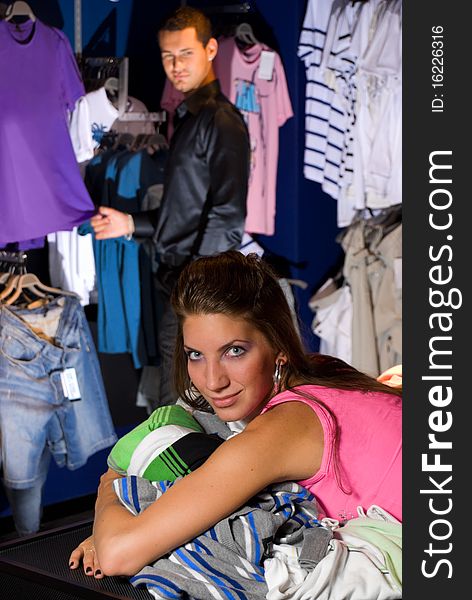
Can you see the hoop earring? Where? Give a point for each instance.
(277, 376)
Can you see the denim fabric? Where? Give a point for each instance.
(34, 411)
(26, 505)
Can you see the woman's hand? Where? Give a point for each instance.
(86, 553)
(111, 223)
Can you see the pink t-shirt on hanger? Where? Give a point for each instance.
(265, 105)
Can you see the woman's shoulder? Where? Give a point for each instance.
(308, 394)
(323, 399)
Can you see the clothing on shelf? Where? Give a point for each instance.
(352, 55)
(40, 183)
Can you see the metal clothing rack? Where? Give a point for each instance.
(15, 262)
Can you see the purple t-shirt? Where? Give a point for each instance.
(41, 189)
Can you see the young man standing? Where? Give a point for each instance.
(204, 203)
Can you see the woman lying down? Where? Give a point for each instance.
(309, 419)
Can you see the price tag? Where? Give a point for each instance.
(266, 65)
(70, 385)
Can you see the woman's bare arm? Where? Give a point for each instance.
(284, 444)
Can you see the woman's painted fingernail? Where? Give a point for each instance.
(98, 572)
(71, 564)
(88, 570)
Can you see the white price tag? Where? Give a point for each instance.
(70, 385)
(266, 65)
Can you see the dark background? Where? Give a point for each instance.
(425, 132)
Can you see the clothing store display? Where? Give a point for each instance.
(361, 320)
(26, 504)
(40, 183)
(372, 252)
(378, 131)
(324, 115)
(352, 55)
(128, 309)
(363, 453)
(38, 409)
(263, 100)
(94, 115)
(119, 324)
(199, 181)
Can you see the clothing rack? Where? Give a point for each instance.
(15, 261)
(95, 72)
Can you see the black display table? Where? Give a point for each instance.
(36, 568)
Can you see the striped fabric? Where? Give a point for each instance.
(168, 445)
(227, 561)
(325, 119)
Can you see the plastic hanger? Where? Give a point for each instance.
(30, 282)
(10, 280)
(19, 9)
(245, 33)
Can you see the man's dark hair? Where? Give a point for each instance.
(187, 16)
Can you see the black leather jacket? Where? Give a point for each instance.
(205, 188)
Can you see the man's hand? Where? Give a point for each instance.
(111, 223)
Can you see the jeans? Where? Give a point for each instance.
(35, 347)
(26, 505)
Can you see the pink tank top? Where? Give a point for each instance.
(369, 455)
